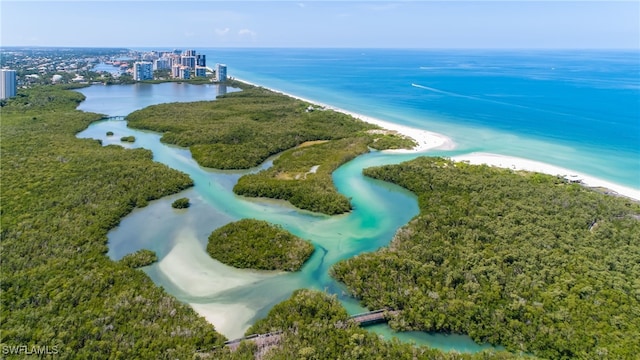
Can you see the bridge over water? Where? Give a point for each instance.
(113, 118)
(374, 317)
(266, 341)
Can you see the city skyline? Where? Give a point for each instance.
(366, 24)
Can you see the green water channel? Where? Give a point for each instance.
(232, 299)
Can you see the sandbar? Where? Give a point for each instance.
(231, 320)
(192, 270)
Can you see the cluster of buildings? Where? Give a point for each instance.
(181, 64)
(38, 65)
(7, 83)
(24, 67)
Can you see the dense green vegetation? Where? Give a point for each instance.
(60, 195)
(256, 244)
(387, 141)
(315, 327)
(109, 133)
(139, 258)
(304, 306)
(518, 259)
(302, 176)
(181, 203)
(242, 129)
(128, 138)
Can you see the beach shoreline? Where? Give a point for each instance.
(516, 163)
(427, 140)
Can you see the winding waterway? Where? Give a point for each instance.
(232, 299)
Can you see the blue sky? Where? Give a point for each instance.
(384, 24)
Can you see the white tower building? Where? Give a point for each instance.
(7, 83)
(142, 70)
(221, 72)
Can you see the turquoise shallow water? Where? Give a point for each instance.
(231, 298)
(575, 109)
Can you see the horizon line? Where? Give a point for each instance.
(135, 48)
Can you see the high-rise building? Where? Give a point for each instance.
(201, 71)
(142, 70)
(150, 56)
(7, 83)
(201, 60)
(221, 72)
(173, 60)
(175, 71)
(189, 53)
(185, 72)
(162, 64)
(188, 61)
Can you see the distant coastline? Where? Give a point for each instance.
(428, 140)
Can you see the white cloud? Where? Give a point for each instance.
(247, 32)
(222, 32)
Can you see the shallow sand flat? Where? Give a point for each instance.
(510, 162)
(426, 140)
(231, 320)
(192, 270)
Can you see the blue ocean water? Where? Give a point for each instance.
(575, 109)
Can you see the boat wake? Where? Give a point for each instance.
(449, 93)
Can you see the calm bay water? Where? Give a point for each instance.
(512, 104)
(124, 99)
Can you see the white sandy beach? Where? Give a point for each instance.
(510, 162)
(427, 140)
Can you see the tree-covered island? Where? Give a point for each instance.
(181, 203)
(139, 258)
(256, 244)
(128, 139)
